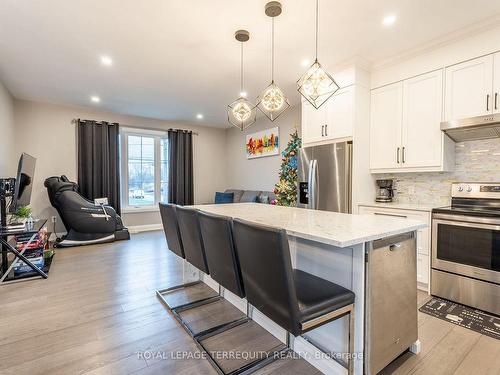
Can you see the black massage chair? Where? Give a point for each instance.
(85, 222)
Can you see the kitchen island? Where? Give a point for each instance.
(338, 247)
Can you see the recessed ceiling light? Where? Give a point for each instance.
(243, 94)
(95, 99)
(305, 62)
(389, 20)
(106, 60)
(199, 116)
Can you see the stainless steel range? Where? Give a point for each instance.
(466, 247)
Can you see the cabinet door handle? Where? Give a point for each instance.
(322, 130)
(397, 155)
(487, 102)
(326, 130)
(403, 160)
(496, 97)
(393, 215)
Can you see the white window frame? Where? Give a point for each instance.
(158, 136)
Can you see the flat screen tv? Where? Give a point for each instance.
(24, 182)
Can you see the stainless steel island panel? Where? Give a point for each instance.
(391, 300)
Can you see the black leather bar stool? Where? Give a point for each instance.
(217, 242)
(189, 228)
(295, 300)
(175, 242)
(224, 266)
(216, 258)
(223, 262)
(171, 228)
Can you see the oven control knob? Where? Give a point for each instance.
(460, 188)
(469, 189)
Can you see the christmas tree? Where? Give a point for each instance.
(286, 188)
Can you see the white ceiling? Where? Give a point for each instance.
(174, 59)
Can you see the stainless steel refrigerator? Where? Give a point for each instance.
(325, 177)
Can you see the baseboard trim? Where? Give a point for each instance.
(144, 228)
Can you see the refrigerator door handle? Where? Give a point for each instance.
(309, 185)
(313, 185)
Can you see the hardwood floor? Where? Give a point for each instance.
(448, 349)
(98, 313)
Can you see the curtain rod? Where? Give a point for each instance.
(75, 121)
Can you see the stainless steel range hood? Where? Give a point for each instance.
(474, 128)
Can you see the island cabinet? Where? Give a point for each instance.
(334, 120)
(405, 133)
(373, 256)
(473, 88)
(423, 236)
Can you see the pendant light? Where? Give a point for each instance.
(241, 113)
(272, 102)
(316, 85)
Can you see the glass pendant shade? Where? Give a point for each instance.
(316, 85)
(272, 102)
(241, 113)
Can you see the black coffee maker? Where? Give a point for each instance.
(385, 191)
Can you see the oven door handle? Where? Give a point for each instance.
(476, 221)
(464, 224)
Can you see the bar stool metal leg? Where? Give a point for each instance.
(290, 340)
(161, 294)
(350, 363)
(345, 311)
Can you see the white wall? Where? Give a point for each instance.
(7, 164)
(260, 173)
(46, 132)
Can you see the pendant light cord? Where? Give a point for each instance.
(241, 69)
(317, 27)
(272, 52)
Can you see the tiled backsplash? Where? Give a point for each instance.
(476, 161)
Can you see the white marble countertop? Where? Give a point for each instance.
(332, 228)
(402, 206)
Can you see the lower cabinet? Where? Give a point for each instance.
(423, 236)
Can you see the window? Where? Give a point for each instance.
(144, 168)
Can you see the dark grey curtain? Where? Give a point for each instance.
(98, 161)
(180, 172)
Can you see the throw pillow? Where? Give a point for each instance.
(264, 199)
(250, 196)
(221, 198)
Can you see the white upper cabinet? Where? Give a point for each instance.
(340, 114)
(405, 127)
(334, 120)
(385, 126)
(313, 122)
(469, 88)
(496, 83)
(422, 138)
